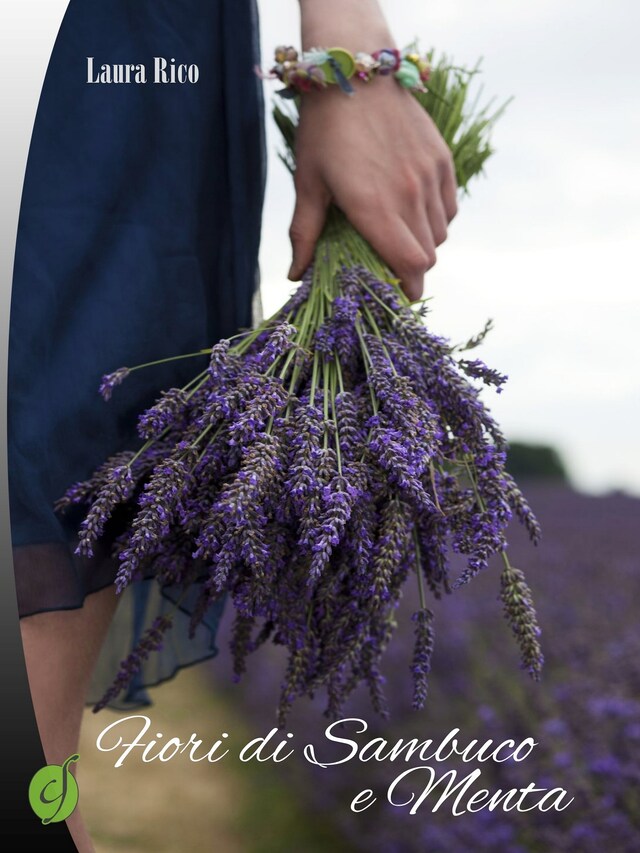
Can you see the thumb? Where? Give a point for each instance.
(306, 226)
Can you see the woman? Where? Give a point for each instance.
(138, 239)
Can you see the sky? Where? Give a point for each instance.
(547, 242)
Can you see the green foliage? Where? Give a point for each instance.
(535, 461)
(464, 126)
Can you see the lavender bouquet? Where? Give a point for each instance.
(323, 464)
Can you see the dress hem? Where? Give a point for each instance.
(144, 703)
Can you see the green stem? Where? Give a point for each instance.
(171, 358)
(314, 378)
(325, 402)
(339, 374)
(334, 376)
(367, 363)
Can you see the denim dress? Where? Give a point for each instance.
(137, 240)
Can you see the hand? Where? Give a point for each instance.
(379, 157)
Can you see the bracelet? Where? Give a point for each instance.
(321, 67)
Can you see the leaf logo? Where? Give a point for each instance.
(53, 792)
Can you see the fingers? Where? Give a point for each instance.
(432, 199)
(427, 220)
(437, 218)
(405, 237)
(306, 226)
(448, 189)
(420, 226)
(397, 245)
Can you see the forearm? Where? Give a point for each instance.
(357, 25)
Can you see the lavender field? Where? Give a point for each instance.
(584, 715)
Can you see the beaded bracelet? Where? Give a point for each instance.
(319, 67)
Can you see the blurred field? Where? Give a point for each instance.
(187, 807)
(159, 807)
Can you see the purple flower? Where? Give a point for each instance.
(423, 650)
(110, 380)
(165, 413)
(150, 642)
(317, 464)
(159, 502)
(117, 488)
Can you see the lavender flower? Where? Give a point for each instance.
(279, 342)
(319, 465)
(86, 491)
(111, 380)
(130, 666)
(159, 503)
(117, 489)
(165, 413)
(518, 606)
(423, 650)
(479, 370)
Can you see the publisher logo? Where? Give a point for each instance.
(53, 792)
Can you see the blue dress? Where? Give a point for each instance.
(137, 240)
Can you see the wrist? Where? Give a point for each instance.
(356, 25)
